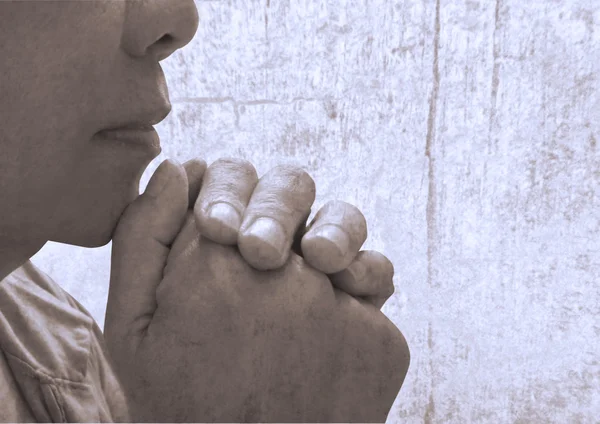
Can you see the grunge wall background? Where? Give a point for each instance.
(467, 133)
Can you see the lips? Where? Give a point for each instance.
(138, 127)
(134, 125)
(135, 135)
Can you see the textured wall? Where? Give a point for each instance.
(466, 131)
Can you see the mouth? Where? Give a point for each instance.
(140, 136)
(138, 132)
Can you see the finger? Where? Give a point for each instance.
(334, 237)
(226, 189)
(281, 200)
(139, 252)
(369, 276)
(194, 169)
(186, 235)
(297, 239)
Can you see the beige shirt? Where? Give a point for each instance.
(54, 366)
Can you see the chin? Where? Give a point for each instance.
(90, 214)
(92, 229)
(91, 236)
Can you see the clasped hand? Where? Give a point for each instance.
(223, 306)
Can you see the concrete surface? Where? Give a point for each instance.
(467, 132)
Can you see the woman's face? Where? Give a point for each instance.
(68, 70)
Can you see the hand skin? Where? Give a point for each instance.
(197, 334)
(330, 243)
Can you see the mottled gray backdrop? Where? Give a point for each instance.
(467, 132)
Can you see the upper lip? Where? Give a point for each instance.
(144, 120)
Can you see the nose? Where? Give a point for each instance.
(157, 28)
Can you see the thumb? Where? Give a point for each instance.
(140, 247)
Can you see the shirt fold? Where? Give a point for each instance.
(55, 366)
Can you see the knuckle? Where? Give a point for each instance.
(382, 268)
(222, 193)
(265, 202)
(402, 349)
(229, 164)
(285, 190)
(380, 261)
(397, 352)
(348, 215)
(342, 205)
(195, 162)
(229, 180)
(391, 289)
(295, 178)
(288, 169)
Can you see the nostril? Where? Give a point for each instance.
(164, 46)
(165, 39)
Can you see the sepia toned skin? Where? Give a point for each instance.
(203, 336)
(71, 69)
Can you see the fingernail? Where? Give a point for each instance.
(226, 215)
(338, 238)
(160, 179)
(269, 231)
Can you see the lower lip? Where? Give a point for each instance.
(146, 138)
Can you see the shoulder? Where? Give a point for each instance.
(53, 345)
(42, 326)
